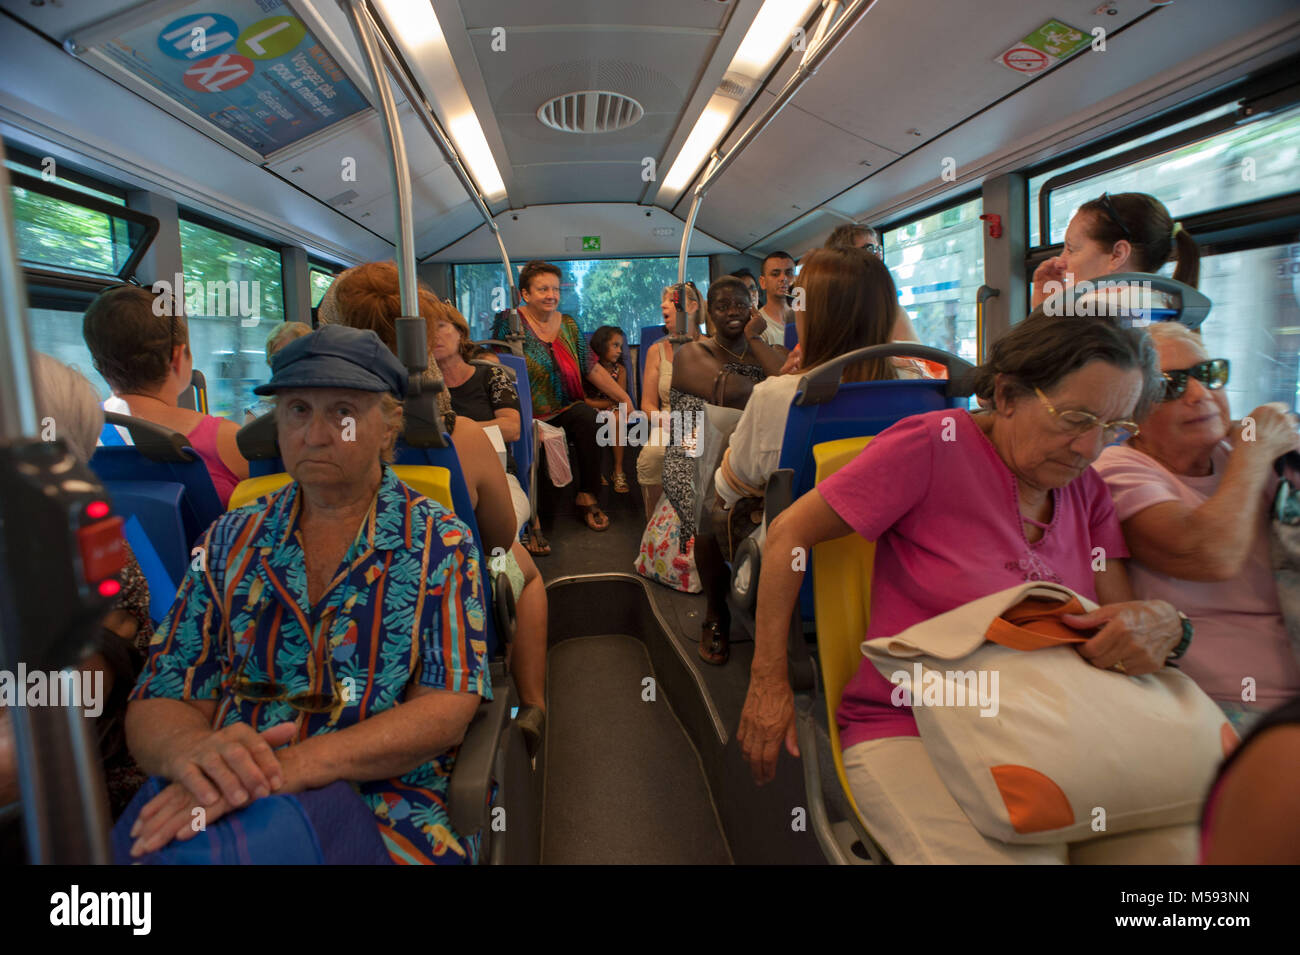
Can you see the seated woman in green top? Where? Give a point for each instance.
(558, 364)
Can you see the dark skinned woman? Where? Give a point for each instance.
(721, 370)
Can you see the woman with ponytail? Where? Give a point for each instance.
(1127, 232)
(140, 344)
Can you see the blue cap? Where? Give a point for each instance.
(336, 356)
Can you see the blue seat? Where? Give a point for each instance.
(791, 336)
(522, 450)
(649, 335)
(165, 487)
(824, 409)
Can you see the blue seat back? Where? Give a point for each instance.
(522, 450)
(172, 503)
(791, 336)
(825, 410)
(649, 335)
(464, 509)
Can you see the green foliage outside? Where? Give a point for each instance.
(622, 292)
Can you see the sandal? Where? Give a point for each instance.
(715, 645)
(592, 516)
(620, 482)
(535, 543)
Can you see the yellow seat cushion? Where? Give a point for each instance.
(841, 600)
(433, 482)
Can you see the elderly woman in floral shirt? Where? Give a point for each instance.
(314, 613)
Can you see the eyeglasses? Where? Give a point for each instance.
(267, 691)
(874, 249)
(1081, 422)
(1213, 374)
(1114, 216)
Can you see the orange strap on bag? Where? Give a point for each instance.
(1034, 624)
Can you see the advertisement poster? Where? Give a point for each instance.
(249, 67)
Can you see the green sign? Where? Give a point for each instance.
(1057, 39)
(591, 243)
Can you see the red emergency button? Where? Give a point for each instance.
(103, 553)
(97, 509)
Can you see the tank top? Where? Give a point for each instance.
(203, 439)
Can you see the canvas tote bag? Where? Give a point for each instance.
(1051, 749)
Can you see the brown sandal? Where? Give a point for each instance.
(592, 516)
(715, 645)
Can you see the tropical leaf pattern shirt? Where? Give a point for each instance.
(407, 604)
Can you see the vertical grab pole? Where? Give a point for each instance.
(363, 27)
(65, 812)
(679, 290)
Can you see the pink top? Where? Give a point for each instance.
(1240, 632)
(203, 439)
(945, 514)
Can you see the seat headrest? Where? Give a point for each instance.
(153, 440)
(258, 439)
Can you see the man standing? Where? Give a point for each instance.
(865, 237)
(751, 283)
(775, 279)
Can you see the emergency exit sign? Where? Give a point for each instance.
(591, 243)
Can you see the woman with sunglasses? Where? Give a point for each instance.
(312, 614)
(1192, 491)
(1126, 232)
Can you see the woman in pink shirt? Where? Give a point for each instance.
(140, 345)
(960, 506)
(1193, 498)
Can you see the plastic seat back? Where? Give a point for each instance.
(433, 483)
(166, 487)
(824, 409)
(791, 336)
(649, 335)
(522, 450)
(841, 600)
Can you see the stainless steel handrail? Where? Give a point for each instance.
(423, 112)
(825, 41)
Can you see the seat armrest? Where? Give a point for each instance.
(779, 494)
(471, 776)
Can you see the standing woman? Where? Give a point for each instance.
(655, 391)
(558, 364)
(720, 370)
(1126, 232)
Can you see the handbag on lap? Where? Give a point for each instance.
(1036, 744)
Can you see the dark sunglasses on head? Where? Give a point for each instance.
(1114, 216)
(1213, 374)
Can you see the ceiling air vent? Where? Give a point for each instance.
(590, 111)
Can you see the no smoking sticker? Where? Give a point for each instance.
(1025, 59)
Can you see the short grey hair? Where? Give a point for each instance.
(1162, 332)
(65, 396)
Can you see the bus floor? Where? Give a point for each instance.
(640, 761)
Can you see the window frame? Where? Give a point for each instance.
(77, 279)
(65, 171)
(1247, 225)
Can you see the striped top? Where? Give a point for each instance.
(406, 604)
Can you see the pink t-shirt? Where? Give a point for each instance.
(203, 439)
(945, 515)
(1240, 632)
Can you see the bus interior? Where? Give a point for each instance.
(246, 152)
